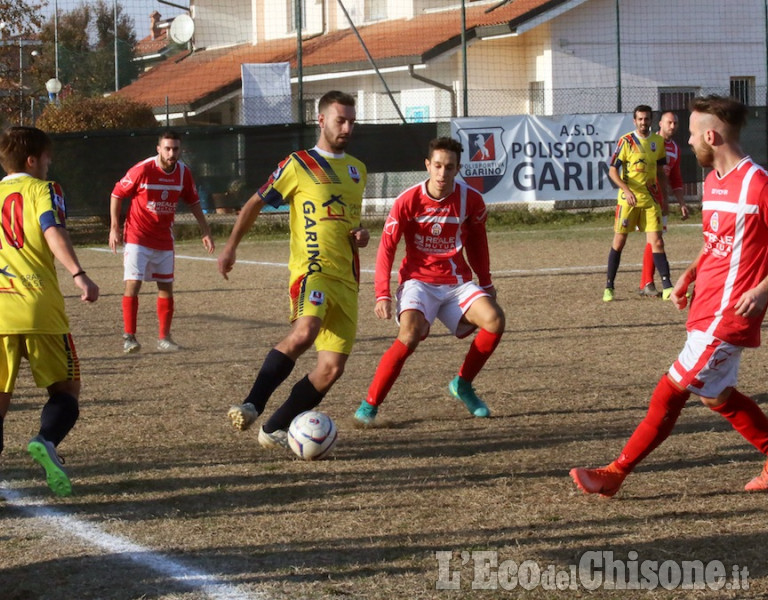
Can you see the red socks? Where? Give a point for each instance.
(666, 403)
(387, 372)
(747, 418)
(130, 310)
(479, 352)
(164, 316)
(646, 276)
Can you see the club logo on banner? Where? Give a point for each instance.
(485, 159)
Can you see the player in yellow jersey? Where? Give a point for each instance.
(33, 324)
(637, 170)
(324, 188)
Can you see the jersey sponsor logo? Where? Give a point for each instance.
(354, 174)
(316, 297)
(335, 209)
(434, 244)
(310, 239)
(718, 192)
(161, 208)
(485, 158)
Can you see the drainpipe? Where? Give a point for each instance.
(437, 84)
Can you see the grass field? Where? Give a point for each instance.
(170, 503)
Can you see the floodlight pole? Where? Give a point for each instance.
(56, 37)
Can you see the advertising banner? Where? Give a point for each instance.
(526, 158)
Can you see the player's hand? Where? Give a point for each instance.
(631, 200)
(89, 288)
(684, 212)
(679, 295)
(226, 261)
(208, 243)
(383, 309)
(491, 290)
(752, 302)
(360, 235)
(114, 240)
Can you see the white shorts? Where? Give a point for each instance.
(448, 303)
(146, 264)
(706, 366)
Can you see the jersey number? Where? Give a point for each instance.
(12, 221)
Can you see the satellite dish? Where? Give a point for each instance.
(182, 29)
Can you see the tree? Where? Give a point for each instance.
(19, 20)
(77, 113)
(86, 49)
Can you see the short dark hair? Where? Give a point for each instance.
(729, 110)
(642, 108)
(445, 143)
(19, 143)
(168, 134)
(335, 97)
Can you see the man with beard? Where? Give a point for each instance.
(324, 188)
(728, 304)
(155, 186)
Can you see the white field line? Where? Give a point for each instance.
(123, 549)
(574, 269)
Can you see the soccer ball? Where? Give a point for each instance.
(312, 435)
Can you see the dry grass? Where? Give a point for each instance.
(153, 458)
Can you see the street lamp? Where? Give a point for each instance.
(53, 87)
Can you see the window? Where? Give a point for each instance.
(375, 10)
(536, 98)
(743, 89)
(292, 15)
(676, 98)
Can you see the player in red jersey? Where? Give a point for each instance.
(155, 185)
(667, 128)
(728, 304)
(440, 219)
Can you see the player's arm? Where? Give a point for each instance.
(676, 183)
(115, 236)
(478, 255)
(205, 230)
(245, 221)
(679, 296)
(662, 181)
(613, 173)
(385, 256)
(60, 244)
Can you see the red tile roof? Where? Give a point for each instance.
(147, 46)
(190, 80)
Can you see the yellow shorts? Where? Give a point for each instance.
(52, 358)
(632, 218)
(332, 301)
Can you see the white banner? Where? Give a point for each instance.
(528, 159)
(266, 93)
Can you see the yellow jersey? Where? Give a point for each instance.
(30, 298)
(638, 159)
(325, 195)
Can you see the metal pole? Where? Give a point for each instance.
(618, 59)
(21, 84)
(117, 78)
(299, 63)
(56, 36)
(464, 77)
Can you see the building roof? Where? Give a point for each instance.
(191, 80)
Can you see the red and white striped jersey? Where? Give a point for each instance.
(437, 235)
(672, 168)
(154, 195)
(735, 254)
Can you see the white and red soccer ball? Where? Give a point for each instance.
(312, 435)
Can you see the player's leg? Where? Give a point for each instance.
(275, 369)
(665, 406)
(135, 260)
(621, 227)
(165, 309)
(652, 224)
(55, 366)
(10, 359)
(414, 327)
(160, 269)
(750, 421)
(647, 287)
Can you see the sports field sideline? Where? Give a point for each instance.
(170, 503)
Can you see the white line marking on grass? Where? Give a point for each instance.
(123, 548)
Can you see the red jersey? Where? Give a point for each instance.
(436, 234)
(672, 168)
(734, 215)
(154, 194)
